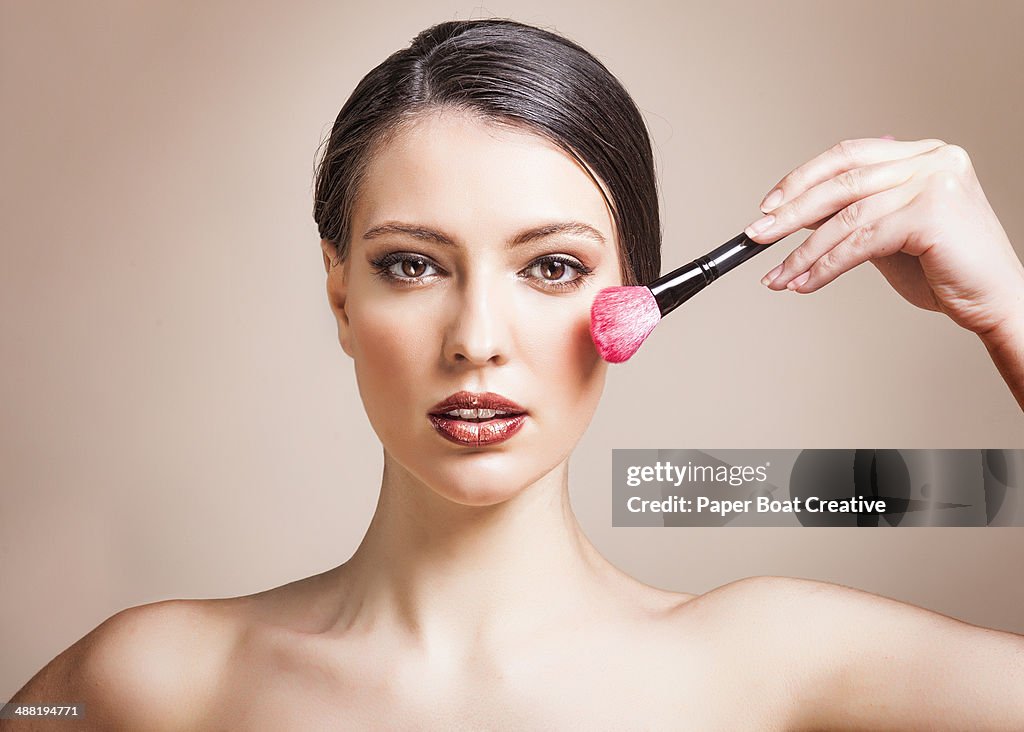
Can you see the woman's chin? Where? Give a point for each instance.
(469, 484)
(484, 490)
(475, 476)
(477, 498)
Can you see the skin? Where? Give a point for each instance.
(917, 212)
(475, 600)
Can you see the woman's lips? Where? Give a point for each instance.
(476, 400)
(487, 432)
(469, 418)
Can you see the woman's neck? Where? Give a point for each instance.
(456, 579)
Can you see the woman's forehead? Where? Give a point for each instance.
(464, 173)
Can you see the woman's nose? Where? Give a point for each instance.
(477, 331)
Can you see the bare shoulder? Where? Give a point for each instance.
(828, 606)
(154, 666)
(857, 660)
(785, 594)
(848, 622)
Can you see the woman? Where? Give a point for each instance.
(477, 190)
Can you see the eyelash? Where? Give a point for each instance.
(382, 268)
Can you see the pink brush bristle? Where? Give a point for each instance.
(621, 318)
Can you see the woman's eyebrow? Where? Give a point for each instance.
(417, 231)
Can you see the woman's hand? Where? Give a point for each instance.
(917, 211)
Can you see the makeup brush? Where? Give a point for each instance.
(621, 318)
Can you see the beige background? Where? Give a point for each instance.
(181, 422)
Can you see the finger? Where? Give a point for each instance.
(837, 228)
(879, 238)
(828, 197)
(840, 158)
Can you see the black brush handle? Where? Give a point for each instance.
(679, 285)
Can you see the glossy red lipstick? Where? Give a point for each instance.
(476, 419)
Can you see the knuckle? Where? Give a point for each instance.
(847, 148)
(956, 158)
(851, 181)
(797, 260)
(850, 216)
(861, 238)
(829, 266)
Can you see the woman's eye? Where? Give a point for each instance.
(553, 271)
(411, 267)
(405, 267)
(557, 273)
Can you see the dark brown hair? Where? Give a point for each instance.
(506, 73)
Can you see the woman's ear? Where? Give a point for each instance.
(337, 291)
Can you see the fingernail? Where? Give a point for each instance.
(760, 226)
(798, 281)
(770, 277)
(772, 200)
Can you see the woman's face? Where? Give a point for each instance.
(461, 305)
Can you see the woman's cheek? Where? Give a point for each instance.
(391, 333)
(388, 350)
(568, 352)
